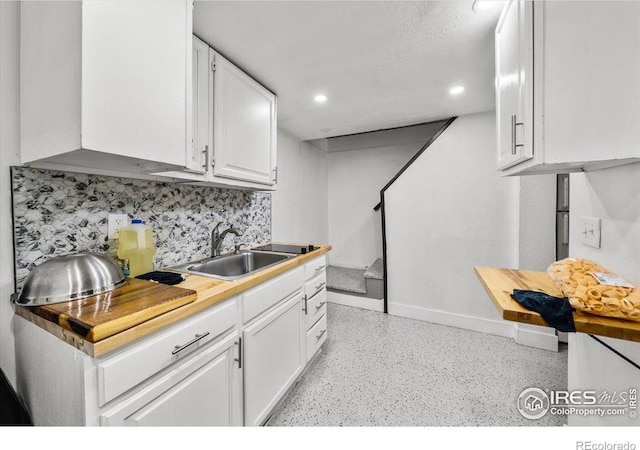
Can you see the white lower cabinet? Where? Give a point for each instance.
(315, 309)
(229, 364)
(183, 374)
(316, 336)
(204, 391)
(273, 358)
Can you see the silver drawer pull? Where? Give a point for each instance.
(320, 267)
(320, 335)
(320, 305)
(179, 348)
(320, 286)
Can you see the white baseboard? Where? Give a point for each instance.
(355, 301)
(536, 336)
(523, 335)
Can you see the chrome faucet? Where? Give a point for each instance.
(217, 237)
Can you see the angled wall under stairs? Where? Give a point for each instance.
(450, 211)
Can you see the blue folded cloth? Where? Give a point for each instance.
(556, 311)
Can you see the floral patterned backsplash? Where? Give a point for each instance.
(57, 213)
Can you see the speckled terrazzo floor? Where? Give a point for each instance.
(381, 370)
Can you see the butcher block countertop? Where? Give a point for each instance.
(500, 283)
(95, 335)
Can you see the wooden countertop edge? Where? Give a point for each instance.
(216, 290)
(584, 323)
(100, 332)
(524, 316)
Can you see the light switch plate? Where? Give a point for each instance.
(116, 222)
(590, 231)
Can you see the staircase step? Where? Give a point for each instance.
(375, 270)
(346, 279)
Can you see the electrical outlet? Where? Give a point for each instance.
(116, 223)
(590, 231)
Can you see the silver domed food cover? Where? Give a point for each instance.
(70, 277)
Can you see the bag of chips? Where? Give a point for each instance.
(579, 281)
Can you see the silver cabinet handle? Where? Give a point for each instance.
(205, 165)
(320, 286)
(239, 358)
(514, 124)
(178, 348)
(320, 335)
(320, 305)
(320, 267)
(305, 307)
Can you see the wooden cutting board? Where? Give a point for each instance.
(100, 316)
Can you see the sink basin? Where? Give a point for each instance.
(233, 266)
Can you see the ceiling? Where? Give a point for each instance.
(381, 64)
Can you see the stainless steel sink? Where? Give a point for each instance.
(233, 266)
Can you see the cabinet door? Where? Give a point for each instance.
(514, 83)
(203, 391)
(200, 399)
(273, 359)
(244, 126)
(106, 85)
(199, 150)
(136, 82)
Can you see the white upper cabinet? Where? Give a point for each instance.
(244, 126)
(514, 64)
(567, 95)
(234, 126)
(201, 108)
(107, 84)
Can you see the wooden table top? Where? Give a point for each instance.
(500, 283)
(209, 291)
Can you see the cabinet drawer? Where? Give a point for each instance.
(121, 372)
(315, 285)
(257, 300)
(316, 336)
(316, 307)
(194, 392)
(315, 267)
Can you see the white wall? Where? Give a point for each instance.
(613, 195)
(537, 250)
(299, 206)
(359, 166)
(537, 222)
(449, 212)
(9, 148)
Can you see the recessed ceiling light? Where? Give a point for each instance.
(483, 5)
(456, 90)
(320, 98)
